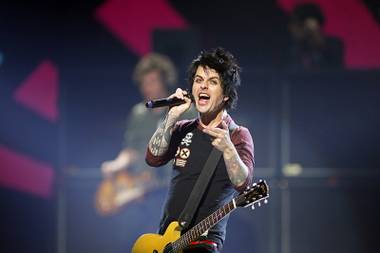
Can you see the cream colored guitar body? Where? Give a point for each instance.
(155, 243)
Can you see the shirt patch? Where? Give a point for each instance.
(181, 156)
(187, 140)
(184, 153)
(180, 162)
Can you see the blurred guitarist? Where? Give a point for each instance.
(155, 75)
(214, 77)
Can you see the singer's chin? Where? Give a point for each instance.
(200, 108)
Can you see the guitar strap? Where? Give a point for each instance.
(201, 185)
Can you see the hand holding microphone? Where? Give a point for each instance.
(178, 102)
(175, 99)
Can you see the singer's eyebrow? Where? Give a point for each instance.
(213, 77)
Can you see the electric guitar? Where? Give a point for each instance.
(173, 242)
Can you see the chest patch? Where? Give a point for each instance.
(187, 139)
(183, 152)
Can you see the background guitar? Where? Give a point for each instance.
(119, 189)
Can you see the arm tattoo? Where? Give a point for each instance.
(159, 143)
(237, 170)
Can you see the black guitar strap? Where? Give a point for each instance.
(199, 188)
(201, 185)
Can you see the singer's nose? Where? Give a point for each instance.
(204, 85)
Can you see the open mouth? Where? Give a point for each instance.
(203, 98)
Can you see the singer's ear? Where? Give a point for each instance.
(225, 98)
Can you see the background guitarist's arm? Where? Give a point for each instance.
(124, 159)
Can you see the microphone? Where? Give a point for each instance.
(162, 102)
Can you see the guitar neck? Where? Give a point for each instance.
(203, 226)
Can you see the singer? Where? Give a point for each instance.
(214, 77)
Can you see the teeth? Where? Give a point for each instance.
(204, 96)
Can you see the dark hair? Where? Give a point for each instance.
(308, 10)
(225, 64)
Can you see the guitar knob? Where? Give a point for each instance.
(259, 203)
(265, 201)
(253, 207)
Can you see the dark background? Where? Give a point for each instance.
(316, 132)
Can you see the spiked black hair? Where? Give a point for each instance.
(225, 64)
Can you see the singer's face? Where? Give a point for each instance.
(151, 86)
(207, 91)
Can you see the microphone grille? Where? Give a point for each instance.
(149, 104)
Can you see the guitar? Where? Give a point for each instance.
(172, 241)
(120, 189)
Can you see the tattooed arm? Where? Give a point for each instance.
(238, 158)
(159, 143)
(237, 170)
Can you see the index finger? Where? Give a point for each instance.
(224, 125)
(211, 132)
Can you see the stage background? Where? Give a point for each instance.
(66, 89)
